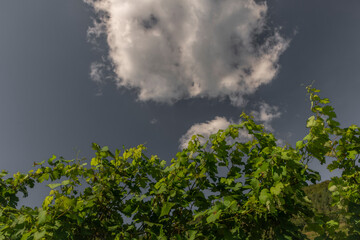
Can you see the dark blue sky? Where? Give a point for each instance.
(50, 105)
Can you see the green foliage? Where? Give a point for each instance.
(223, 189)
(320, 197)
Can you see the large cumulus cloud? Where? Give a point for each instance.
(171, 50)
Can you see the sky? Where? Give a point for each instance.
(155, 72)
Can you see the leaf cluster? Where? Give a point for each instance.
(223, 189)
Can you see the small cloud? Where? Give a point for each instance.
(99, 93)
(204, 129)
(208, 128)
(264, 115)
(153, 121)
(97, 72)
(98, 29)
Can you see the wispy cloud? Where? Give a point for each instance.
(96, 72)
(265, 115)
(171, 50)
(153, 121)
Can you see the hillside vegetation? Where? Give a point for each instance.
(320, 197)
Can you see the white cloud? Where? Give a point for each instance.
(96, 72)
(170, 50)
(264, 115)
(153, 121)
(204, 129)
(211, 127)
